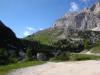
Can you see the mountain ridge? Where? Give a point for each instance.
(71, 24)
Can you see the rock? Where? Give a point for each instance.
(21, 55)
(41, 56)
(56, 52)
(96, 7)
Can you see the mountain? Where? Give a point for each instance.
(70, 25)
(86, 19)
(46, 36)
(10, 45)
(8, 37)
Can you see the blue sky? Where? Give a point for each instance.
(25, 17)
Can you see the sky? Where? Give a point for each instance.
(25, 17)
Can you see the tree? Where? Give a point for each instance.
(29, 54)
(86, 44)
(69, 45)
(4, 59)
(63, 44)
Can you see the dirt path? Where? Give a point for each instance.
(62, 68)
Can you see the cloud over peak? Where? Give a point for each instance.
(29, 31)
(30, 28)
(73, 7)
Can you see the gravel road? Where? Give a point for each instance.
(91, 67)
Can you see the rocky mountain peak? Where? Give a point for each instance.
(86, 19)
(96, 7)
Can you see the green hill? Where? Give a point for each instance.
(46, 36)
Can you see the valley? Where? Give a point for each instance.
(71, 46)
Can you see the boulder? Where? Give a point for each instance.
(41, 57)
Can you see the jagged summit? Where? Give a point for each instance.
(86, 19)
(96, 7)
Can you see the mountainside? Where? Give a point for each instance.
(46, 36)
(13, 49)
(8, 37)
(10, 45)
(71, 25)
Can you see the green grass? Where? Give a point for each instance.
(75, 57)
(46, 36)
(4, 70)
(80, 57)
(96, 48)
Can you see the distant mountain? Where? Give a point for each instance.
(70, 25)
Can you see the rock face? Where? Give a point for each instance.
(84, 20)
(96, 7)
(41, 56)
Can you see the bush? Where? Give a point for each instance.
(13, 60)
(74, 57)
(62, 57)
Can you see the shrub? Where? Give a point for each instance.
(62, 57)
(13, 60)
(74, 57)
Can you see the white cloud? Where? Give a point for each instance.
(41, 29)
(26, 33)
(30, 28)
(74, 7)
(29, 31)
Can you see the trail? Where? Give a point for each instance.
(91, 67)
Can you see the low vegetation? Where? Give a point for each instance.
(62, 57)
(74, 57)
(46, 36)
(96, 48)
(4, 70)
(80, 57)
